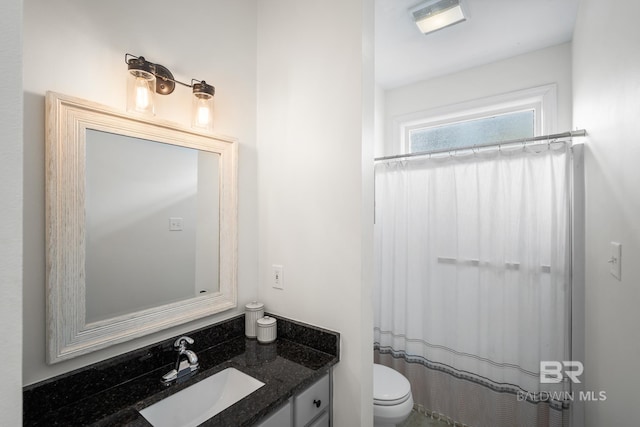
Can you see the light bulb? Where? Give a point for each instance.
(142, 94)
(141, 89)
(202, 111)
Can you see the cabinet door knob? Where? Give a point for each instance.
(317, 403)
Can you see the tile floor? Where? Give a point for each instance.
(418, 420)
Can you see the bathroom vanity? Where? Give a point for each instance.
(295, 370)
(141, 226)
(309, 408)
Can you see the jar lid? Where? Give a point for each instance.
(266, 321)
(254, 306)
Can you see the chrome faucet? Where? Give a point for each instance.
(186, 363)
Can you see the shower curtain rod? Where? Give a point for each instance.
(569, 134)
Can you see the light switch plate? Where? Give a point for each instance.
(277, 276)
(175, 224)
(616, 260)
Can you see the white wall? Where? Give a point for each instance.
(315, 91)
(379, 120)
(11, 197)
(606, 88)
(77, 48)
(545, 66)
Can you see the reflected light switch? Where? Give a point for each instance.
(616, 260)
(175, 224)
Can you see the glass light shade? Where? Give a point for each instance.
(202, 111)
(432, 16)
(441, 20)
(141, 90)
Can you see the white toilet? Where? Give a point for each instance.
(392, 398)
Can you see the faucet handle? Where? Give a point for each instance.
(181, 343)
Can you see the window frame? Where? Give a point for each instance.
(542, 100)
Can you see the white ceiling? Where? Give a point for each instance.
(494, 30)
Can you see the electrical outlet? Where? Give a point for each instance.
(277, 276)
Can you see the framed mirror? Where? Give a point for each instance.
(141, 220)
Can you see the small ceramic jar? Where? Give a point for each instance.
(267, 331)
(253, 311)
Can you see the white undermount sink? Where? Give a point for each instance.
(201, 401)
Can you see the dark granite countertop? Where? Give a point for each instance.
(287, 366)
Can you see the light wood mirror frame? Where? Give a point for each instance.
(68, 334)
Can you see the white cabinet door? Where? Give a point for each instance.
(323, 421)
(281, 418)
(311, 402)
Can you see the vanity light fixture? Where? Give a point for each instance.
(141, 86)
(145, 79)
(433, 15)
(202, 116)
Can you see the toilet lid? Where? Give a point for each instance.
(390, 387)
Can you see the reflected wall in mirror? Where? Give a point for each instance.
(151, 215)
(141, 226)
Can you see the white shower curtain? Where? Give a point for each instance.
(472, 281)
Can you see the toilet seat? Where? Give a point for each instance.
(390, 402)
(389, 386)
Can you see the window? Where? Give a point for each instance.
(516, 115)
(468, 133)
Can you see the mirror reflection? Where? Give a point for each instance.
(141, 218)
(152, 224)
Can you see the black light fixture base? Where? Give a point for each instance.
(203, 90)
(165, 83)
